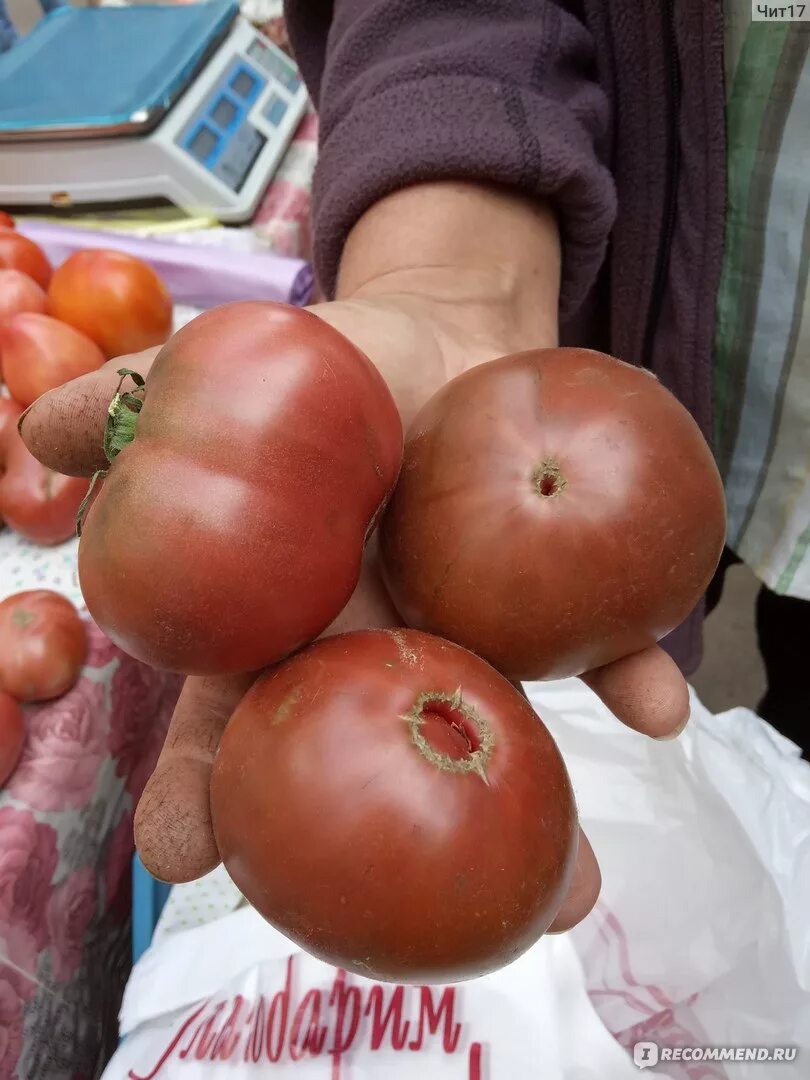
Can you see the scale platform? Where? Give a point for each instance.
(106, 105)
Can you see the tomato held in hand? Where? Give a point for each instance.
(36, 502)
(39, 353)
(17, 252)
(231, 531)
(557, 510)
(43, 645)
(116, 300)
(19, 292)
(12, 736)
(393, 805)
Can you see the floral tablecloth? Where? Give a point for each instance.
(66, 845)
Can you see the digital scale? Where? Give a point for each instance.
(187, 103)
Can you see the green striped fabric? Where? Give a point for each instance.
(762, 338)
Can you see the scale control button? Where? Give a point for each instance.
(224, 113)
(202, 144)
(243, 83)
(275, 110)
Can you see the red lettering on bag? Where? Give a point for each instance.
(257, 1037)
(229, 1037)
(167, 1053)
(344, 996)
(433, 1016)
(315, 1037)
(219, 1030)
(380, 1021)
(475, 1061)
(281, 1001)
(209, 1033)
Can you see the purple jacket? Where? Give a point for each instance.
(613, 109)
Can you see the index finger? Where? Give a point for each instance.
(173, 830)
(64, 429)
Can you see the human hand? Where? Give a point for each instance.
(173, 820)
(421, 325)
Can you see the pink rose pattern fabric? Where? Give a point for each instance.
(65, 855)
(63, 751)
(133, 740)
(71, 908)
(15, 991)
(28, 857)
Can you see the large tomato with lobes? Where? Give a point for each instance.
(230, 531)
(557, 509)
(394, 805)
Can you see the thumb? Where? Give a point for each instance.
(173, 831)
(64, 429)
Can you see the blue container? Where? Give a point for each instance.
(148, 897)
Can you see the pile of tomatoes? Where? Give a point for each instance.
(43, 644)
(54, 326)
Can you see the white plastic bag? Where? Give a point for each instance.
(701, 938)
(702, 933)
(201, 1005)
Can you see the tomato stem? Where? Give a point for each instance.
(548, 480)
(122, 415)
(119, 431)
(469, 723)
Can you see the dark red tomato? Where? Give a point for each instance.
(231, 531)
(36, 502)
(12, 736)
(39, 353)
(394, 805)
(43, 644)
(115, 299)
(19, 292)
(557, 509)
(7, 221)
(17, 252)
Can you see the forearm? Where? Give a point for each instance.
(413, 93)
(486, 260)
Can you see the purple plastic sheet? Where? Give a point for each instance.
(195, 275)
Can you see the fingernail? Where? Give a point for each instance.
(675, 733)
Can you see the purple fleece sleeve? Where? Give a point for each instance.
(496, 90)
